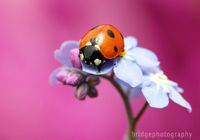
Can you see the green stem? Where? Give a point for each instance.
(132, 121)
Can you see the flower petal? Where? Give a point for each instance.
(145, 58)
(134, 92)
(130, 42)
(107, 67)
(155, 96)
(62, 54)
(129, 91)
(128, 72)
(177, 98)
(176, 87)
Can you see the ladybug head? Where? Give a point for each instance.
(91, 55)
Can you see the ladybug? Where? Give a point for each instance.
(101, 44)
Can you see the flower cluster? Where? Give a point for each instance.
(154, 84)
(137, 70)
(70, 72)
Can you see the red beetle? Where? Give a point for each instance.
(101, 44)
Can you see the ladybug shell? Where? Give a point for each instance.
(109, 40)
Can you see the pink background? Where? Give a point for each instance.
(30, 30)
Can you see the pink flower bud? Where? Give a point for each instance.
(74, 79)
(74, 58)
(69, 77)
(61, 76)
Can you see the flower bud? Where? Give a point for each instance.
(69, 77)
(82, 91)
(74, 79)
(61, 76)
(92, 80)
(74, 58)
(92, 92)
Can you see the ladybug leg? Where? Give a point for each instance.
(100, 64)
(99, 68)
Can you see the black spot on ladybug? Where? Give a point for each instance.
(93, 28)
(110, 33)
(115, 48)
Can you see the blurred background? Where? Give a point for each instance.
(30, 31)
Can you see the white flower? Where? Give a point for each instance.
(157, 89)
(134, 63)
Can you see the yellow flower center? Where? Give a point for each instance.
(161, 78)
(123, 53)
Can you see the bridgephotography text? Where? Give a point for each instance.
(163, 134)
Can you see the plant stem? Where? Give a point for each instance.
(126, 103)
(125, 99)
(132, 121)
(139, 115)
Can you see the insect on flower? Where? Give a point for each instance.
(135, 70)
(101, 44)
(103, 49)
